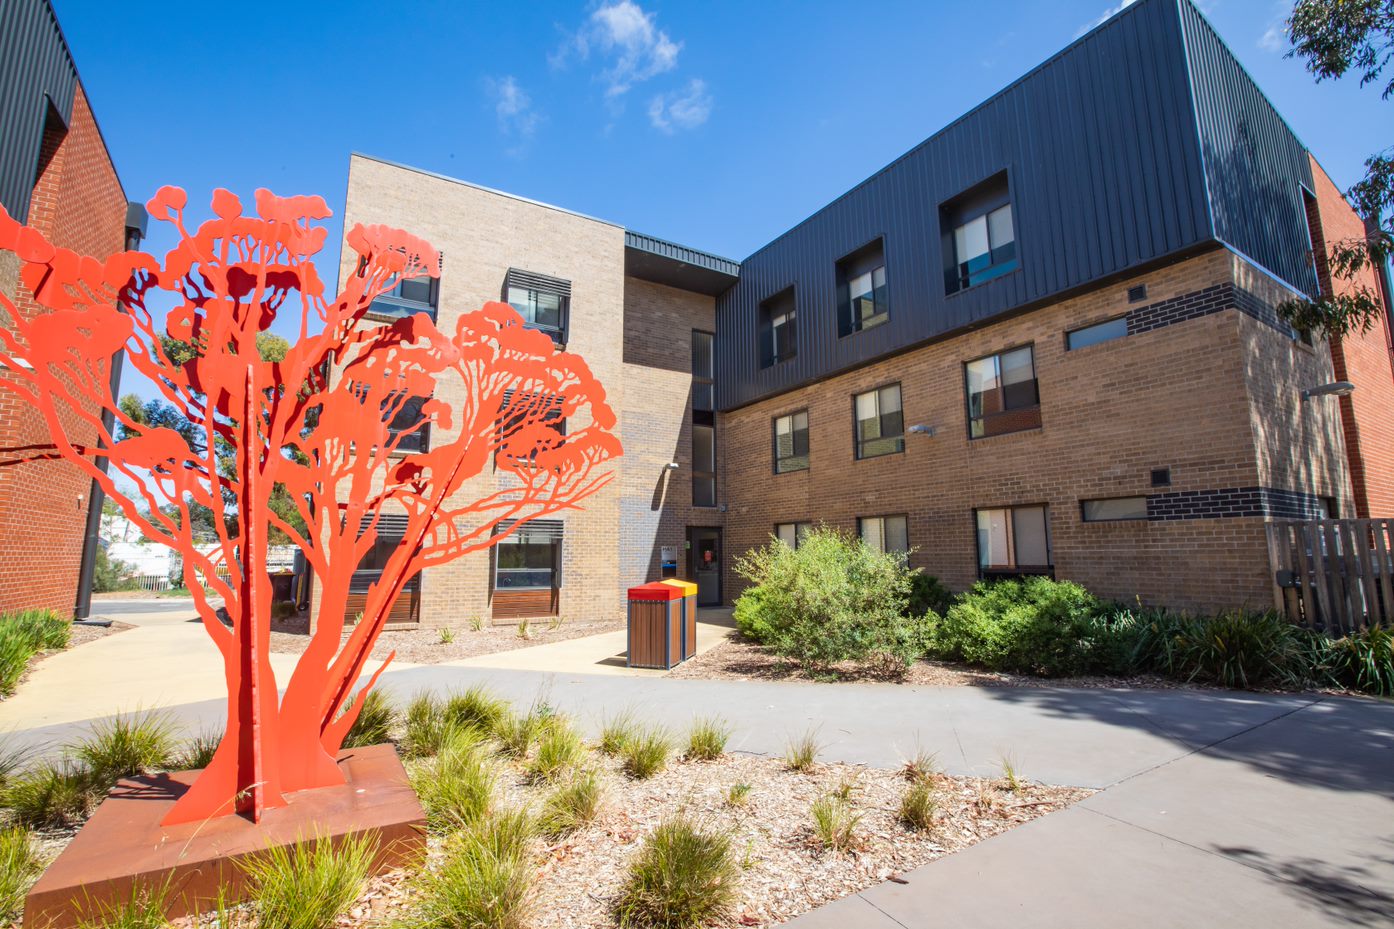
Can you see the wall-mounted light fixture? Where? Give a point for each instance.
(1334, 389)
(672, 466)
(921, 430)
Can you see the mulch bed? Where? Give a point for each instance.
(424, 646)
(739, 659)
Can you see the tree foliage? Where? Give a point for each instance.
(1336, 38)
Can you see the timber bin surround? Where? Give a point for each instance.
(655, 626)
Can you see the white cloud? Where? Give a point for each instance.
(629, 39)
(1107, 15)
(513, 107)
(1275, 37)
(687, 109)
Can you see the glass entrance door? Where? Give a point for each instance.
(706, 565)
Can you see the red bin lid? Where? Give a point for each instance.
(655, 591)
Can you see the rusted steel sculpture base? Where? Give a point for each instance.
(123, 847)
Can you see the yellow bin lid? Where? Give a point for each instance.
(689, 589)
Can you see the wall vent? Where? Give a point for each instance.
(1161, 477)
(1137, 294)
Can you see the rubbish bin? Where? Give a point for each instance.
(689, 615)
(655, 626)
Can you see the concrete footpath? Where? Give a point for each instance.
(1215, 808)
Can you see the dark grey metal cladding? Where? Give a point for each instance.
(1102, 153)
(35, 70)
(1254, 163)
(654, 259)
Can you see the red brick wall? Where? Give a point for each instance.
(1365, 360)
(79, 204)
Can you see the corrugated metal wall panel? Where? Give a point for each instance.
(35, 67)
(1254, 163)
(1104, 167)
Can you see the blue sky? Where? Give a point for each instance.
(715, 124)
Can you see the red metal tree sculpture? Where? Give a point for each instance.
(316, 423)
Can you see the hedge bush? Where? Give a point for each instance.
(833, 599)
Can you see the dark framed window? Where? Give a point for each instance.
(1113, 508)
(885, 533)
(1002, 394)
(516, 410)
(880, 423)
(703, 377)
(391, 531)
(543, 302)
(1096, 334)
(530, 557)
(1014, 540)
(792, 534)
(407, 298)
(861, 282)
(409, 427)
(791, 442)
(703, 465)
(979, 235)
(778, 328)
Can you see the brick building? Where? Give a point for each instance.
(1044, 340)
(55, 174)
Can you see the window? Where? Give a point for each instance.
(792, 534)
(979, 235)
(884, 533)
(791, 442)
(880, 427)
(530, 557)
(409, 427)
(1098, 511)
(543, 302)
(777, 329)
(703, 377)
(1002, 394)
(1014, 540)
(703, 465)
(391, 530)
(407, 298)
(861, 282)
(1099, 332)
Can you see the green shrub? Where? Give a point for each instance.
(559, 750)
(23, 634)
(573, 804)
(927, 595)
(917, 806)
(16, 649)
(1234, 649)
(477, 707)
(19, 868)
(374, 723)
(617, 732)
(127, 745)
(833, 599)
(145, 909)
(683, 876)
(456, 788)
(53, 793)
(484, 882)
(109, 574)
(1364, 661)
(835, 822)
(310, 884)
(707, 739)
(646, 753)
(1035, 626)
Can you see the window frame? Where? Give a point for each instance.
(704, 475)
(520, 537)
(856, 423)
(1084, 516)
(423, 435)
(862, 260)
(978, 201)
(1096, 325)
(518, 278)
(767, 331)
(968, 392)
(903, 517)
(403, 307)
(774, 442)
(704, 415)
(1016, 569)
(801, 529)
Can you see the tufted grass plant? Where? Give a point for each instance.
(143, 909)
(835, 822)
(310, 884)
(456, 787)
(483, 882)
(559, 750)
(126, 745)
(51, 794)
(684, 875)
(618, 731)
(706, 741)
(374, 723)
(197, 753)
(801, 752)
(478, 707)
(646, 753)
(572, 804)
(19, 868)
(424, 727)
(917, 806)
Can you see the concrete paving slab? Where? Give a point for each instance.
(853, 912)
(1078, 870)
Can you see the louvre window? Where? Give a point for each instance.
(791, 442)
(880, 424)
(543, 302)
(1014, 540)
(1002, 394)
